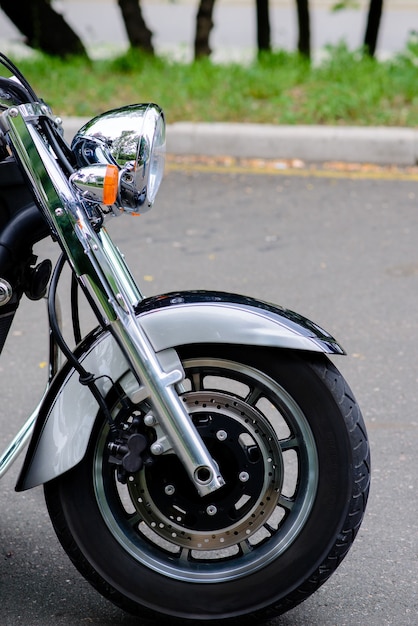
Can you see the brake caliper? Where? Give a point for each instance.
(128, 445)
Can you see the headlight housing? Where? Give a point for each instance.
(131, 138)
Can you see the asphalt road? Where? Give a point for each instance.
(342, 251)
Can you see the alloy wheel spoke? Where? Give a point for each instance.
(290, 443)
(196, 381)
(245, 547)
(269, 529)
(134, 519)
(286, 503)
(253, 396)
(184, 555)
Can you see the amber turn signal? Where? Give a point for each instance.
(111, 182)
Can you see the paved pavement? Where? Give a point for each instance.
(385, 146)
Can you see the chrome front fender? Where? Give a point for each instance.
(214, 317)
(68, 413)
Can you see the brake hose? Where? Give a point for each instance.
(86, 378)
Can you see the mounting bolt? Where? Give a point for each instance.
(221, 435)
(244, 476)
(59, 212)
(157, 448)
(13, 112)
(211, 510)
(169, 490)
(149, 420)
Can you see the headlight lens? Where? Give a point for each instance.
(133, 139)
(157, 160)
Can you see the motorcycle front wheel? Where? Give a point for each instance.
(291, 445)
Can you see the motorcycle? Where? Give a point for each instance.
(202, 458)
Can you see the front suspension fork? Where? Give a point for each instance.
(99, 265)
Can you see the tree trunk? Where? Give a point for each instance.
(263, 25)
(138, 33)
(204, 25)
(373, 23)
(44, 28)
(304, 41)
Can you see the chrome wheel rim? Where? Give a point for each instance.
(250, 424)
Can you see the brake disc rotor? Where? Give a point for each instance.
(246, 448)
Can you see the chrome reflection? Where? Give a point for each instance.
(133, 138)
(90, 181)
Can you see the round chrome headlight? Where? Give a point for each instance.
(133, 139)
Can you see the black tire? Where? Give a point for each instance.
(291, 443)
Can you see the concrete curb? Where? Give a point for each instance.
(380, 145)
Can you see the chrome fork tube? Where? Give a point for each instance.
(171, 415)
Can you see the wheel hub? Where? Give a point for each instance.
(244, 445)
